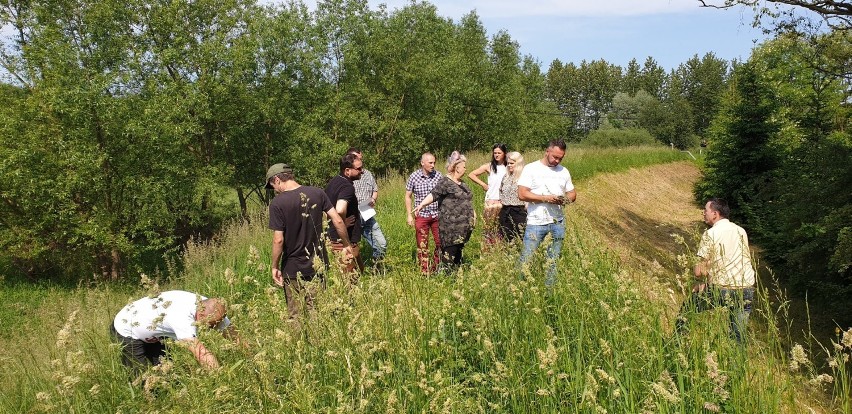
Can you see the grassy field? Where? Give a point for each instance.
(481, 340)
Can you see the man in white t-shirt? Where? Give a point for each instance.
(546, 187)
(141, 326)
(724, 273)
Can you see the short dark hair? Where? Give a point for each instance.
(720, 206)
(353, 150)
(348, 161)
(284, 177)
(558, 142)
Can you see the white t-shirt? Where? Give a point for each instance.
(494, 180)
(171, 314)
(544, 180)
(725, 246)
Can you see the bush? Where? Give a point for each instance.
(620, 138)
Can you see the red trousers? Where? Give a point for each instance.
(422, 226)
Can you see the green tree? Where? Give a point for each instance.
(599, 83)
(563, 89)
(89, 172)
(631, 79)
(742, 157)
(653, 78)
(627, 110)
(701, 82)
(670, 122)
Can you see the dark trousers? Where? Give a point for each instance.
(300, 295)
(512, 221)
(137, 354)
(451, 256)
(738, 301)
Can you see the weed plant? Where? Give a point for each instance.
(483, 339)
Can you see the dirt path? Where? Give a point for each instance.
(638, 211)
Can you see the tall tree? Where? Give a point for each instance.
(631, 79)
(701, 82)
(743, 152)
(653, 78)
(563, 89)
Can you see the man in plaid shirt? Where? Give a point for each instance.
(367, 193)
(420, 184)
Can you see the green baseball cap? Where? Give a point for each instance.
(276, 169)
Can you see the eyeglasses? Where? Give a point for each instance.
(357, 169)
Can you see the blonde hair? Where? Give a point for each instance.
(453, 160)
(519, 164)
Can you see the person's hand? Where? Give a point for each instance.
(348, 252)
(410, 219)
(350, 221)
(485, 187)
(372, 203)
(277, 278)
(416, 210)
(552, 199)
(698, 288)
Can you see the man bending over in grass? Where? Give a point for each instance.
(724, 274)
(141, 326)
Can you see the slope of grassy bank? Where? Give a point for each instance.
(482, 340)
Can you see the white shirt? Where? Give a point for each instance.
(494, 180)
(544, 180)
(725, 246)
(171, 314)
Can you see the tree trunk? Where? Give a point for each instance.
(115, 264)
(243, 204)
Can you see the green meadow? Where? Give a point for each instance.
(485, 339)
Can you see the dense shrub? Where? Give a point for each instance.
(620, 138)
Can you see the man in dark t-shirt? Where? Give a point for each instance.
(295, 217)
(341, 192)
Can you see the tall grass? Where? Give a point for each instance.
(480, 340)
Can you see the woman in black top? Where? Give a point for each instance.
(455, 210)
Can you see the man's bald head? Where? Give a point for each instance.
(427, 162)
(211, 311)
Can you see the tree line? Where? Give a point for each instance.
(125, 125)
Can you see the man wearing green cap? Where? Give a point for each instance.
(295, 217)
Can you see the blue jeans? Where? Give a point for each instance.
(375, 238)
(738, 302)
(533, 236)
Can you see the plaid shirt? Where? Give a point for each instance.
(365, 186)
(421, 185)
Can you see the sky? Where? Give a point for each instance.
(671, 31)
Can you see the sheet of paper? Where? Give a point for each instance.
(367, 212)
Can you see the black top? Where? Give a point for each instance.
(299, 214)
(340, 188)
(455, 217)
